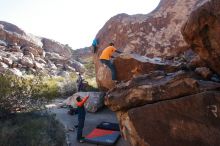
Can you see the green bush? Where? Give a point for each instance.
(19, 97)
(19, 94)
(90, 68)
(50, 90)
(31, 129)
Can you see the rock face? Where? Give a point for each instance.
(135, 65)
(202, 31)
(160, 109)
(179, 108)
(131, 65)
(157, 34)
(155, 87)
(154, 34)
(189, 121)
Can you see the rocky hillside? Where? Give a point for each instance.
(165, 100)
(82, 53)
(22, 53)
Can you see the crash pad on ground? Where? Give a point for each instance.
(109, 126)
(103, 136)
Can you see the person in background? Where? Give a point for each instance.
(79, 83)
(95, 44)
(81, 117)
(105, 56)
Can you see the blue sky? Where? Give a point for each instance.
(73, 22)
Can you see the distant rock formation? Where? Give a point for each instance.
(82, 53)
(55, 47)
(22, 53)
(17, 37)
(12, 28)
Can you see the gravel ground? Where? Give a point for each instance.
(92, 120)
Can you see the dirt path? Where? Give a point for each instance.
(92, 119)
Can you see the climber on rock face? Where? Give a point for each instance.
(95, 44)
(107, 53)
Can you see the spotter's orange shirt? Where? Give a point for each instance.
(81, 103)
(107, 53)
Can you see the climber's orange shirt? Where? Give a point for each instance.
(107, 53)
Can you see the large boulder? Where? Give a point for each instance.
(134, 65)
(154, 34)
(156, 87)
(93, 104)
(131, 65)
(167, 109)
(157, 34)
(180, 108)
(95, 101)
(202, 33)
(188, 121)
